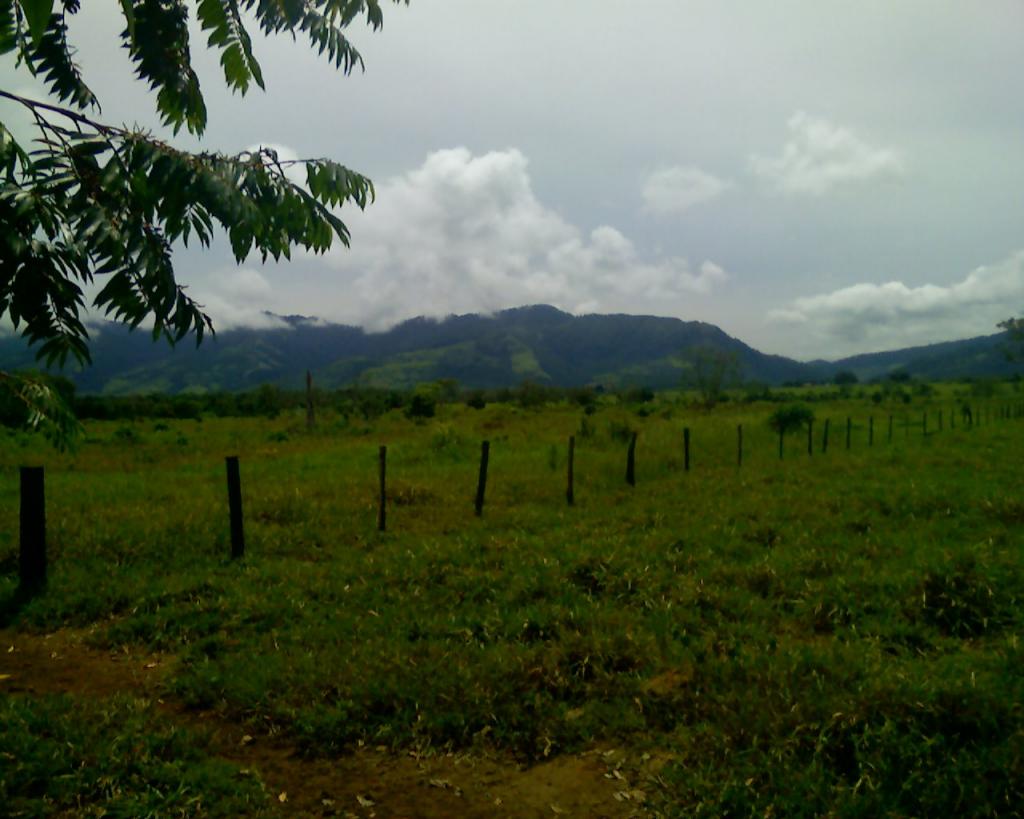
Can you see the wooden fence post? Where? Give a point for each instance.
(871, 430)
(32, 547)
(782, 435)
(824, 438)
(235, 507)
(569, 495)
(382, 508)
(849, 427)
(481, 483)
(890, 429)
(686, 449)
(310, 412)
(631, 461)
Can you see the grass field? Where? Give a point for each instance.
(827, 634)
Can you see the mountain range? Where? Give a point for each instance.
(537, 343)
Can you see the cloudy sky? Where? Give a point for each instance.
(818, 178)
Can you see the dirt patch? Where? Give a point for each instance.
(365, 783)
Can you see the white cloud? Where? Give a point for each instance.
(675, 189)
(820, 156)
(238, 297)
(465, 233)
(869, 316)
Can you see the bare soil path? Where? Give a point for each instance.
(364, 783)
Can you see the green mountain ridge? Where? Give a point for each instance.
(537, 343)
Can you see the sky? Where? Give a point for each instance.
(818, 178)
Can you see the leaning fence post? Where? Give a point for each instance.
(686, 449)
(235, 507)
(32, 547)
(569, 495)
(631, 461)
(382, 508)
(481, 483)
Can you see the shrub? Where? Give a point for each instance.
(791, 418)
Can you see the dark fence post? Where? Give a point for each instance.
(631, 461)
(382, 509)
(824, 438)
(871, 430)
(782, 435)
(686, 449)
(481, 483)
(849, 427)
(235, 507)
(739, 445)
(32, 548)
(569, 495)
(310, 412)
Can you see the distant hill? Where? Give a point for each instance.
(537, 343)
(980, 357)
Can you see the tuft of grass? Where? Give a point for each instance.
(112, 758)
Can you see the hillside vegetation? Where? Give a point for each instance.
(538, 344)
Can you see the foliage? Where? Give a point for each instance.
(845, 378)
(39, 402)
(421, 406)
(98, 204)
(791, 418)
(713, 371)
(1014, 328)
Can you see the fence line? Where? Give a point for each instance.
(32, 561)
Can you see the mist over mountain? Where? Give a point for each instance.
(537, 343)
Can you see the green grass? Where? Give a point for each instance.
(111, 758)
(828, 634)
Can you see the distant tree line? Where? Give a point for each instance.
(422, 402)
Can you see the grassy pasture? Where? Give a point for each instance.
(833, 634)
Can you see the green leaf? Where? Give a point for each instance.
(52, 55)
(129, 17)
(37, 14)
(8, 27)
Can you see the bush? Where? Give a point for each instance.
(791, 418)
(421, 406)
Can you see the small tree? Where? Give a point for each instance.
(845, 378)
(791, 418)
(1014, 328)
(713, 371)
